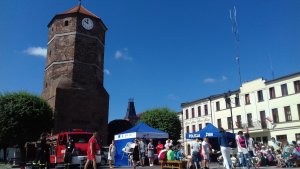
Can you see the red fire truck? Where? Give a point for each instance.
(58, 147)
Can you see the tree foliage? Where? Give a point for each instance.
(117, 126)
(23, 117)
(163, 119)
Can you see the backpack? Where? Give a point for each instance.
(242, 142)
(163, 155)
(177, 155)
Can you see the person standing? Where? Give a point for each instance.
(91, 151)
(225, 148)
(242, 148)
(250, 144)
(142, 151)
(169, 143)
(159, 147)
(111, 153)
(196, 153)
(135, 153)
(205, 152)
(150, 148)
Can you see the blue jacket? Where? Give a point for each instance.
(223, 139)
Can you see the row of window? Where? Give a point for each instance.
(260, 98)
(263, 118)
(194, 128)
(199, 112)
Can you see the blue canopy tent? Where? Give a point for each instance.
(212, 133)
(123, 140)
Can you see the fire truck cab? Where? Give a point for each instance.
(58, 147)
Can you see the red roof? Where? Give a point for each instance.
(80, 9)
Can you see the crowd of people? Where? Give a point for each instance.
(143, 151)
(260, 154)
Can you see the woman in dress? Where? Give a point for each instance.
(150, 148)
(135, 153)
(111, 153)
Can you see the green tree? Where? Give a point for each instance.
(163, 119)
(23, 117)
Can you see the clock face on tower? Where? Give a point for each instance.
(87, 23)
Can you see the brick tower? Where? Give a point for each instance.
(73, 82)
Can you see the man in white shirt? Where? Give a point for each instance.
(205, 152)
(196, 153)
(142, 146)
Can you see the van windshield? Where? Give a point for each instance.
(80, 138)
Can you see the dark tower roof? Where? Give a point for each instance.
(130, 114)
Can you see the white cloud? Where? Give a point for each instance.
(36, 51)
(214, 80)
(123, 55)
(106, 71)
(173, 97)
(209, 80)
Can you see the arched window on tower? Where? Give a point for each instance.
(66, 23)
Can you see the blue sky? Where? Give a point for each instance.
(160, 52)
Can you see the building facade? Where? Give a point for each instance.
(263, 108)
(73, 81)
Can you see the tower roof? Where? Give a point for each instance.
(130, 110)
(80, 9)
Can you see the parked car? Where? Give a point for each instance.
(104, 155)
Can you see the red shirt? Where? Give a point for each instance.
(91, 154)
(159, 147)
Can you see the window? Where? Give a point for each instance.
(247, 99)
(298, 106)
(229, 122)
(258, 139)
(187, 129)
(189, 149)
(205, 109)
(275, 115)
(66, 23)
(219, 123)
(186, 113)
(194, 128)
(228, 102)
(249, 120)
(200, 126)
(284, 90)
(282, 139)
(199, 111)
(237, 101)
(297, 136)
(288, 114)
(265, 140)
(263, 119)
(260, 96)
(272, 93)
(297, 86)
(239, 121)
(217, 105)
(193, 113)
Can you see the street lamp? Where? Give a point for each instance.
(228, 102)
